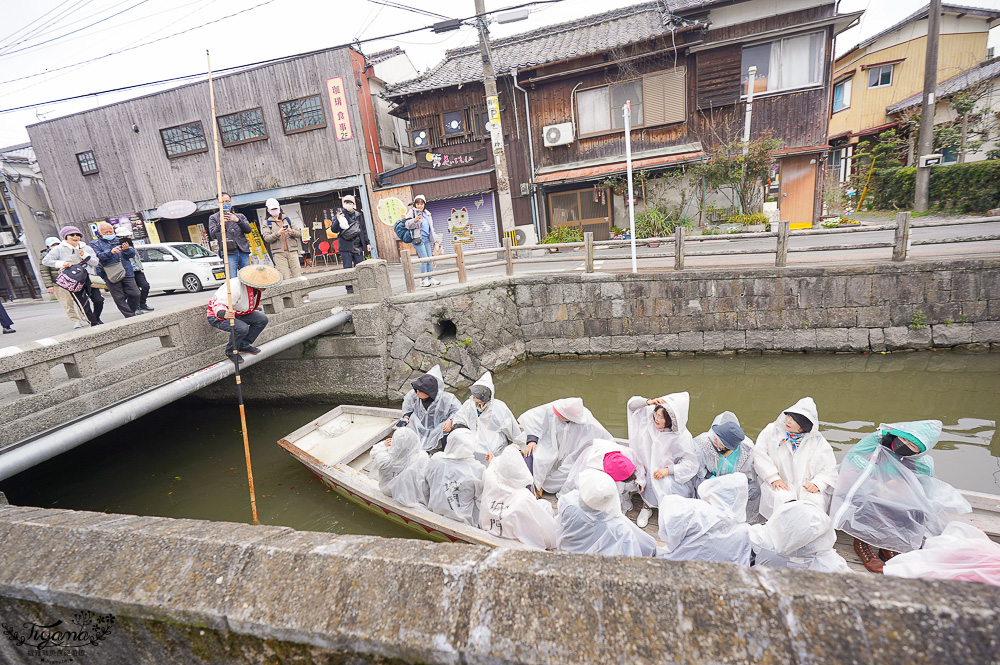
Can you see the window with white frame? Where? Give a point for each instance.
(785, 64)
(657, 99)
(880, 77)
(842, 95)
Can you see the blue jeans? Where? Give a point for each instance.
(237, 260)
(424, 251)
(248, 327)
(5, 321)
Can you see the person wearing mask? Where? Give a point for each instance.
(237, 228)
(115, 257)
(421, 225)
(710, 528)
(352, 241)
(454, 480)
(657, 431)
(508, 509)
(590, 521)
(401, 466)
(245, 315)
(886, 495)
(65, 298)
(793, 460)
(489, 418)
(428, 409)
(797, 535)
(556, 434)
(125, 233)
(725, 449)
(284, 238)
(619, 462)
(72, 250)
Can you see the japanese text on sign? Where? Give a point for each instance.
(493, 106)
(338, 108)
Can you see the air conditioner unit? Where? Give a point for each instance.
(6, 238)
(525, 235)
(561, 134)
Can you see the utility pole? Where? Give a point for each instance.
(925, 142)
(496, 130)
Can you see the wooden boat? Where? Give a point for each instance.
(335, 447)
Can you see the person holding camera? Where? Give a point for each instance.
(420, 224)
(352, 241)
(114, 255)
(237, 228)
(284, 237)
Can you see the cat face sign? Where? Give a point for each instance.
(459, 218)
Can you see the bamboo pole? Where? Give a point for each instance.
(229, 292)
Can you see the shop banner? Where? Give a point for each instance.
(442, 161)
(339, 113)
(466, 220)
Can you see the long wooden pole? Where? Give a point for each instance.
(229, 292)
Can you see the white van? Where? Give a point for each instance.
(170, 266)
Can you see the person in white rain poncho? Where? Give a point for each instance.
(454, 480)
(591, 521)
(798, 535)
(619, 462)
(508, 509)
(490, 418)
(887, 496)
(428, 407)
(657, 432)
(712, 528)
(556, 435)
(401, 465)
(726, 449)
(793, 460)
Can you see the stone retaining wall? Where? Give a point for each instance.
(188, 591)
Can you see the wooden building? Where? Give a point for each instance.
(561, 92)
(25, 221)
(302, 130)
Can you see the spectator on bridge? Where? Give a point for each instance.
(657, 431)
(428, 408)
(402, 467)
(237, 228)
(115, 256)
(49, 277)
(489, 418)
(454, 480)
(125, 233)
(245, 316)
(284, 238)
(619, 462)
(793, 460)
(725, 449)
(419, 222)
(556, 434)
(590, 521)
(352, 241)
(71, 251)
(508, 509)
(710, 528)
(5, 321)
(798, 535)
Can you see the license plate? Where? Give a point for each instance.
(220, 275)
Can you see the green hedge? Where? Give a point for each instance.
(972, 187)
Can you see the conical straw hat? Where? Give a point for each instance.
(260, 276)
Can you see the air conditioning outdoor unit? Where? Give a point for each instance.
(525, 235)
(561, 134)
(6, 238)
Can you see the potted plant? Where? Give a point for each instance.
(561, 234)
(653, 223)
(752, 222)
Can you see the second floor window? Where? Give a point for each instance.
(87, 162)
(299, 115)
(455, 123)
(184, 139)
(242, 127)
(842, 95)
(785, 64)
(657, 99)
(880, 77)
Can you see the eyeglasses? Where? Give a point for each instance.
(74, 235)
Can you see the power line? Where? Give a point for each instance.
(13, 35)
(107, 18)
(25, 37)
(415, 10)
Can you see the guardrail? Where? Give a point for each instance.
(510, 256)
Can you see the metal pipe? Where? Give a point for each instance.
(531, 153)
(26, 454)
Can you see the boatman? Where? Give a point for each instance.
(246, 315)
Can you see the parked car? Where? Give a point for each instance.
(170, 266)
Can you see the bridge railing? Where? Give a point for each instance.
(677, 248)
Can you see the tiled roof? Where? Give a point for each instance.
(591, 34)
(986, 71)
(380, 56)
(919, 15)
(21, 151)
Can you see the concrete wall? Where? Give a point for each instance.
(188, 591)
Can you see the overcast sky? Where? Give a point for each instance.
(44, 44)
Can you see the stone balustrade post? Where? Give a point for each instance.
(588, 245)
(781, 253)
(407, 261)
(679, 248)
(902, 239)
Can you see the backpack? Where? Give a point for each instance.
(73, 278)
(404, 233)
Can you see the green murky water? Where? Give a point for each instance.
(186, 460)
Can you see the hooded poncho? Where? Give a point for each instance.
(591, 521)
(890, 501)
(508, 509)
(672, 447)
(495, 427)
(454, 480)
(401, 467)
(798, 535)
(559, 443)
(712, 528)
(593, 456)
(426, 418)
(812, 461)
(741, 460)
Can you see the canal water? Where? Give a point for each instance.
(186, 460)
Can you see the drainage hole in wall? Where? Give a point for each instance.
(446, 331)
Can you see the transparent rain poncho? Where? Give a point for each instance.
(508, 509)
(590, 520)
(961, 552)
(559, 444)
(401, 468)
(426, 420)
(495, 427)
(593, 458)
(673, 447)
(798, 535)
(894, 502)
(712, 528)
(454, 480)
(712, 464)
(812, 461)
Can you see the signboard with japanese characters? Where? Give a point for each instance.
(339, 113)
(442, 161)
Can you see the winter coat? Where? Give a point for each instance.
(357, 240)
(64, 252)
(106, 257)
(236, 233)
(270, 230)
